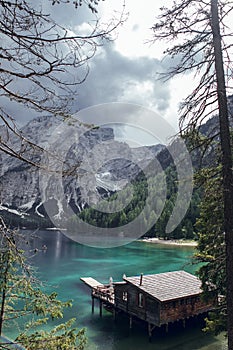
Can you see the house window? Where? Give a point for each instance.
(125, 296)
(141, 300)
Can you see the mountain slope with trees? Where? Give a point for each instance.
(202, 43)
(38, 57)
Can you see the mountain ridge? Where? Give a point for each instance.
(20, 192)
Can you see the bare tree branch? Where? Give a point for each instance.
(43, 62)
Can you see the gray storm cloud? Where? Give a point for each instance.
(116, 78)
(113, 77)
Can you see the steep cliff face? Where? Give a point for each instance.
(100, 166)
(94, 173)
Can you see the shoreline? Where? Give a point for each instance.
(178, 242)
(153, 240)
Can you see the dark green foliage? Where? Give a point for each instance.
(136, 206)
(22, 297)
(211, 246)
(122, 217)
(30, 221)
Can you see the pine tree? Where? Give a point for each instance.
(211, 247)
(202, 44)
(22, 297)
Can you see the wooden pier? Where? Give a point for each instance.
(158, 299)
(91, 282)
(101, 292)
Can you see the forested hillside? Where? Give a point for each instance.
(202, 157)
(130, 212)
(18, 216)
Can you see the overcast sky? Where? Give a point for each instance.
(125, 70)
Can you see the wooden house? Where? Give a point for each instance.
(158, 299)
(161, 298)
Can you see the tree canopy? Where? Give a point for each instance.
(22, 296)
(43, 61)
(187, 28)
(201, 44)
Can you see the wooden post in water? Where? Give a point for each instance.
(101, 304)
(130, 322)
(149, 332)
(114, 314)
(92, 304)
(151, 327)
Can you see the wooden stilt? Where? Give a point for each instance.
(93, 305)
(166, 327)
(114, 314)
(151, 327)
(130, 322)
(101, 304)
(184, 323)
(150, 332)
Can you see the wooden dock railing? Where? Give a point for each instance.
(104, 293)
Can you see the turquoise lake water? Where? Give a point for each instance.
(65, 261)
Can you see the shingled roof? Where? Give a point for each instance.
(168, 286)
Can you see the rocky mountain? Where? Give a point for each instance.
(80, 167)
(90, 163)
(208, 155)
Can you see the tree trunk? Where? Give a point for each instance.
(226, 165)
(2, 310)
(3, 302)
